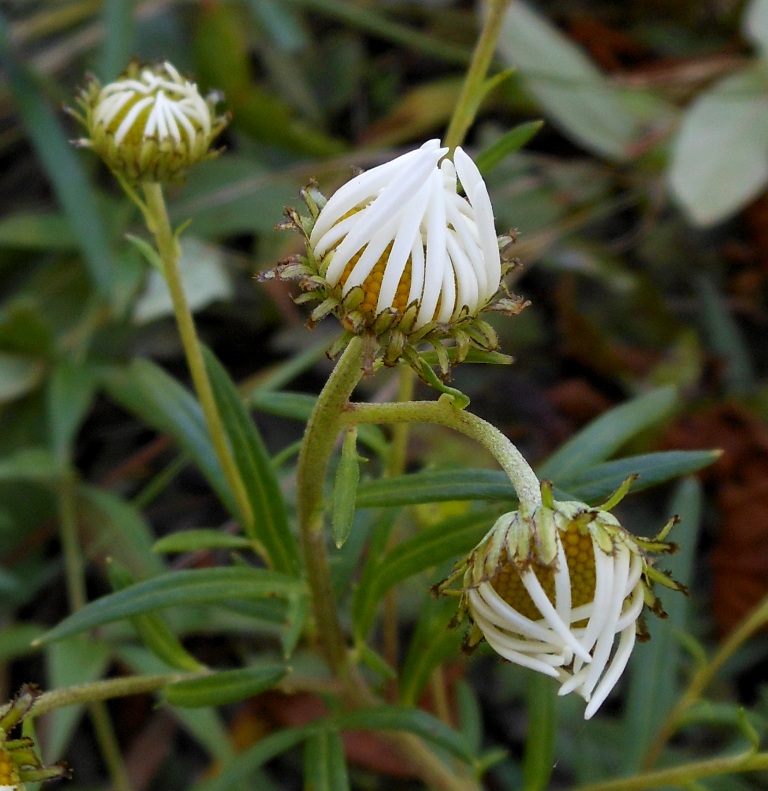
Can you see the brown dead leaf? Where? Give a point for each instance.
(740, 479)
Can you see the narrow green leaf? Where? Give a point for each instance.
(599, 482)
(606, 434)
(539, 757)
(470, 716)
(17, 639)
(194, 540)
(654, 672)
(37, 231)
(401, 718)
(70, 392)
(154, 632)
(29, 464)
(299, 406)
(270, 525)
(192, 587)
(19, 375)
(160, 401)
(62, 165)
(345, 489)
(113, 527)
(226, 686)
(325, 768)
(433, 642)
(119, 22)
(726, 339)
(206, 726)
(430, 486)
(239, 771)
(507, 144)
(443, 541)
(71, 662)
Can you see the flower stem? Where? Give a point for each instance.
(443, 413)
(104, 690)
(76, 593)
(685, 775)
(471, 94)
(319, 439)
(158, 223)
(755, 620)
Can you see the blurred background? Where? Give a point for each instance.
(642, 220)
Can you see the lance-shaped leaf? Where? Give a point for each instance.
(190, 588)
(226, 686)
(345, 489)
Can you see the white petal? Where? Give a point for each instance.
(370, 257)
(477, 194)
(612, 675)
(405, 238)
(436, 258)
(491, 606)
(130, 118)
(604, 642)
(466, 281)
(550, 615)
(366, 186)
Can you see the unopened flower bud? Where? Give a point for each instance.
(550, 588)
(152, 124)
(400, 254)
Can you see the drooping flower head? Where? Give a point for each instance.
(152, 124)
(551, 587)
(19, 762)
(399, 254)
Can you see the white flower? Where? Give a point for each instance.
(403, 233)
(151, 124)
(565, 638)
(553, 585)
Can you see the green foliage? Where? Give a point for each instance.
(109, 476)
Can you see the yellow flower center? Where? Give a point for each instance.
(372, 284)
(8, 774)
(580, 558)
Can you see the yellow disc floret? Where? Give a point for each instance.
(580, 557)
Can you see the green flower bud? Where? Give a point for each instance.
(150, 125)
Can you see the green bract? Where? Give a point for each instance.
(150, 125)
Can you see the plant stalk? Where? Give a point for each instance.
(156, 216)
(443, 413)
(319, 440)
(471, 94)
(755, 620)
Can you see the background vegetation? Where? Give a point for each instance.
(642, 217)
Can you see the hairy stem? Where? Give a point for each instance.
(443, 413)
(319, 439)
(158, 223)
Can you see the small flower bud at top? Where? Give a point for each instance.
(400, 254)
(152, 124)
(550, 587)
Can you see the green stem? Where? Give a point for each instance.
(70, 544)
(754, 621)
(76, 593)
(682, 776)
(539, 758)
(471, 94)
(319, 439)
(104, 690)
(443, 413)
(156, 216)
